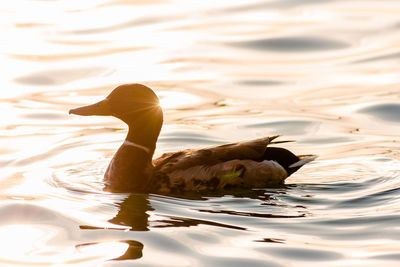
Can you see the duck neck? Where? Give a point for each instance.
(144, 131)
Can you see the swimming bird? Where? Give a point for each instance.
(249, 164)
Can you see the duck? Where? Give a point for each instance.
(245, 165)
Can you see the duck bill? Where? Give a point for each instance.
(101, 108)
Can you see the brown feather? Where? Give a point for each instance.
(217, 168)
(185, 159)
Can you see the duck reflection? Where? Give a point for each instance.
(134, 251)
(133, 212)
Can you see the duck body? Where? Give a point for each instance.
(251, 164)
(231, 166)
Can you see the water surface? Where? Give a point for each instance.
(323, 73)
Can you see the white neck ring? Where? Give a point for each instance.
(129, 143)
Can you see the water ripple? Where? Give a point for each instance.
(293, 44)
(390, 56)
(281, 4)
(387, 111)
(144, 21)
(260, 82)
(61, 76)
(302, 254)
(288, 127)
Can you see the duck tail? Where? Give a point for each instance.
(303, 159)
(280, 142)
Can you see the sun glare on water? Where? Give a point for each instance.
(27, 245)
(20, 241)
(172, 100)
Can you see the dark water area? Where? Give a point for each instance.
(324, 74)
(293, 44)
(386, 112)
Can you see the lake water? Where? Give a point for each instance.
(323, 73)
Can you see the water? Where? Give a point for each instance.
(323, 73)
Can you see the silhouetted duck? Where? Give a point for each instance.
(249, 164)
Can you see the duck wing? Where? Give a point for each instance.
(235, 165)
(250, 150)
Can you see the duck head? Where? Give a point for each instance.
(136, 105)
